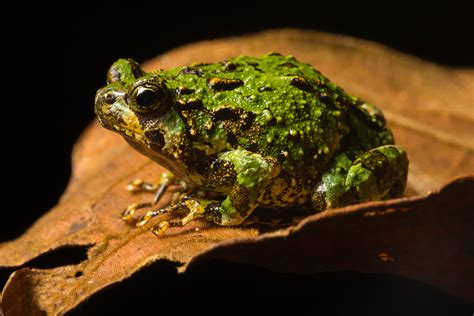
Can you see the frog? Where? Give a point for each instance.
(268, 132)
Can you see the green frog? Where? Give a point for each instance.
(248, 132)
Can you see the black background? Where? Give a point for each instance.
(57, 56)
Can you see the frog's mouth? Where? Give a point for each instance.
(154, 140)
(128, 133)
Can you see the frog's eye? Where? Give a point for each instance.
(147, 98)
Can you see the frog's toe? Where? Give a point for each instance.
(138, 185)
(129, 213)
(159, 230)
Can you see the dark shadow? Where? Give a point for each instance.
(4, 275)
(220, 288)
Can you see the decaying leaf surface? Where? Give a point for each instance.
(423, 237)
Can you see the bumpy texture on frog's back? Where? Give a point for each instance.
(273, 105)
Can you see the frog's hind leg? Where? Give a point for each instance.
(138, 185)
(380, 173)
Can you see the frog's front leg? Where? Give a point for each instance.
(245, 173)
(379, 173)
(138, 185)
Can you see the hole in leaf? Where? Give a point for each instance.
(78, 274)
(63, 256)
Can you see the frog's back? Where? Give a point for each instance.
(274, 105)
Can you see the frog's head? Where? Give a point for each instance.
(139, 106)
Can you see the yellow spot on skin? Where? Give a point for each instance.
(133, 124)
(131, 127)
(214, 81)
(277, 187)
(208, 125)
(289, 196)
(105, 109)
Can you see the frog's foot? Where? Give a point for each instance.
(138, 185)
(380, 173)
(196, 208)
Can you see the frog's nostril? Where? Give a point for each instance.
(109, 98)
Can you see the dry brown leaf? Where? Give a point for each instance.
(417, 97)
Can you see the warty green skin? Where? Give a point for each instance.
(250, 131)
